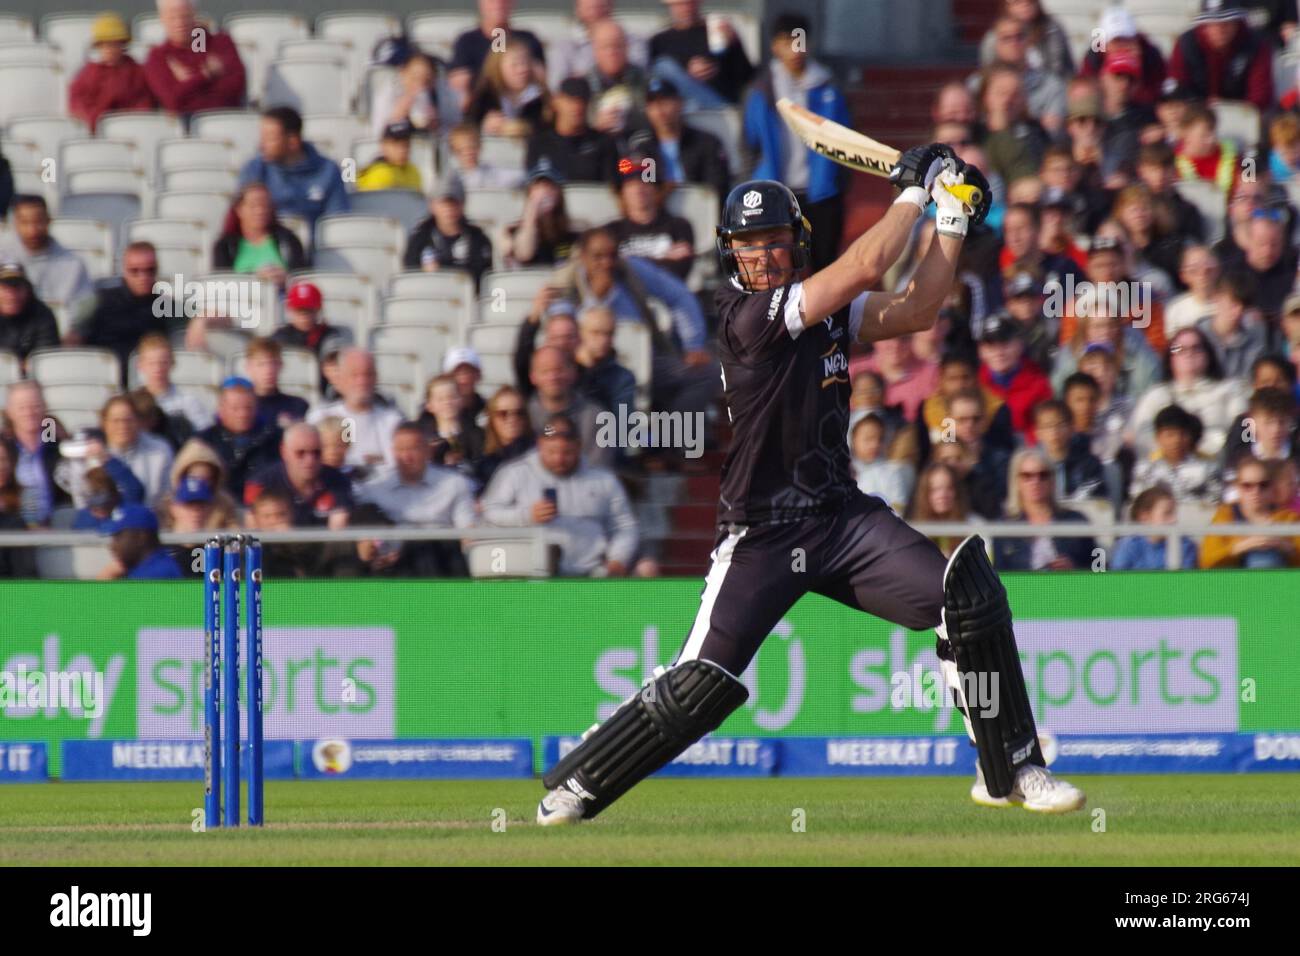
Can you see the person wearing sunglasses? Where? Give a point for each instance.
(123, 314)
(1256, 504)
(1194, 381)
(1031, 498)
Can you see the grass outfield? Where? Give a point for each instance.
(1165, 820)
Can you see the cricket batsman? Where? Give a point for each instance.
(788, 491)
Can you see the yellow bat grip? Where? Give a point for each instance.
(972, 196)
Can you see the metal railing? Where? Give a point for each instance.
(537, 537)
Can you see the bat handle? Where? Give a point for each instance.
(972, 196)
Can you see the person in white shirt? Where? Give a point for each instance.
(57, 275)
(1199, 271)
(367, 425)
(1195, 383)
(584, 509)
(572, 55)
(415, 491)
(411, 98)
(154, 361)
(148, 456)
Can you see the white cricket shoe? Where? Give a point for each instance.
(559, 807)
(1035, 789)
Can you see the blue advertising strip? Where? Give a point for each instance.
(160, 760)
(710, 757)
(414, 759)
(1270, 753)
(23, 762)
(876, 756)
(1152, 753)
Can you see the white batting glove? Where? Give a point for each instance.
(951, 215)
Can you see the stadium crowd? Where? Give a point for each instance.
(1122, 340)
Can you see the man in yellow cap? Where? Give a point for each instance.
(111, 80)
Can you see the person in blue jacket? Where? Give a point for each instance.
(138, 555)
(817, 183)
(301, 181)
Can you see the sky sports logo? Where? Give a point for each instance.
(75, 909)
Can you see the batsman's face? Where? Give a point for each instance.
(765, 258)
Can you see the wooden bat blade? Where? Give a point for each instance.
(838, 143)
(848, 147)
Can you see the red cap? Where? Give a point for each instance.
(1122, 62)
(303, 296)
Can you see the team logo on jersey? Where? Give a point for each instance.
(835, 366)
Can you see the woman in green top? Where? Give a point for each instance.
(253, 241)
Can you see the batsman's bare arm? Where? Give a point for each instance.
(861, 266)
(889, 314)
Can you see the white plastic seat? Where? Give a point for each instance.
(332, 133)
(11, 368)
(90, 239)
(70, 32)
(519, 284)
(265, 28)
(113, 179)
(349, 228)
(497, 310)
(183, 259)
(493, 338)
(35, 52)
(405, 205)
(47, 133)
(427, 342)
(205, 207)
(143, 130)
(436, 32)
(590, 203)
(168, 232)
(454, 312)
(62, 366)
(376, 262)
(240, 129)
(439, 284)
(198, 180)
(492, 209)
(78, 395)
(111, 208)
(359, 31)
(187, 153)
(17, 27)
(399, 374)
(309, 86)
(75, 154)
(31, 89)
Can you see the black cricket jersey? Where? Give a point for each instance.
(787, 393)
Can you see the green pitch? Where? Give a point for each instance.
(1167, 820)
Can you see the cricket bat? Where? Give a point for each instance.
(850, 148)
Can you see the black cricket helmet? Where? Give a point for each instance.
(761, 204)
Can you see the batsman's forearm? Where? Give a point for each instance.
(880, 246)
(932, 281)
